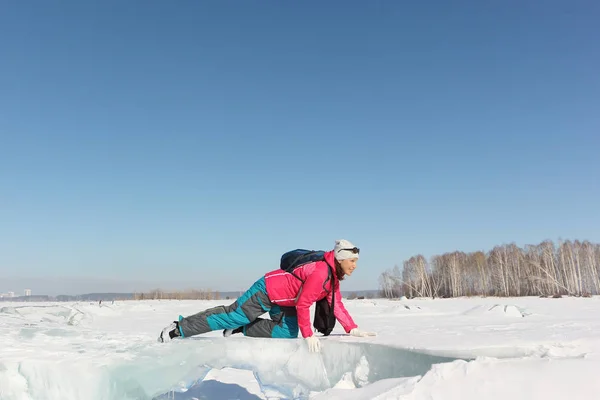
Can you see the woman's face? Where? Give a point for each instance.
(348, 265)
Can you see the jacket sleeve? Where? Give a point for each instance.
(340, 312)
(309, 293)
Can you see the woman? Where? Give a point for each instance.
(286, 297)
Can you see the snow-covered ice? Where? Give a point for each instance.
(466, 348)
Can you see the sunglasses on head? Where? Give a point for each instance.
(355, 250)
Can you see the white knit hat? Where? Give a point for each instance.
(344, 250)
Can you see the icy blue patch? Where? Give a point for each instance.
(211, 389)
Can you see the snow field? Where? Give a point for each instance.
(466, 348)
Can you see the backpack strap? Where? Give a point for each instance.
(307, 262)
(330, 278)
(332, 285)
(299, 257)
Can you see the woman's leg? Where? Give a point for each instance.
(283, 324)
(243, 311)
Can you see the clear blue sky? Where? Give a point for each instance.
(190, 143)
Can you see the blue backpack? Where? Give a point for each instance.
(324, 320)
(296, 258)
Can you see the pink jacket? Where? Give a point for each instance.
(284, 289)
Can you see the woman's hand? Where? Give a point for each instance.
(314, 346)
(358, 333)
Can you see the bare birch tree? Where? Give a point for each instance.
(571, 268)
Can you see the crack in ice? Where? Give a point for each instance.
(285, 367)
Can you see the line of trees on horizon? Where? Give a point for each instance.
(546, 269)
(190, 294)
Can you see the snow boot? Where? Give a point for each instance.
(229, 332)
(169, 332)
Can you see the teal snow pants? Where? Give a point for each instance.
(245, 312)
